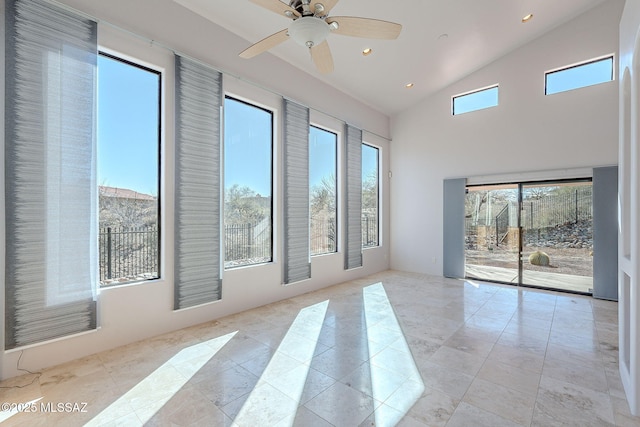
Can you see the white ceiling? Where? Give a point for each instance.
(441, 42)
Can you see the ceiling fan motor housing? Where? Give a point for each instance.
(299, 6)
(309, 31)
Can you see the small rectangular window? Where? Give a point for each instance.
(580, 75)
(370, 196)
(248, 143)
(128, 170)
(323, 148)
(476, 100)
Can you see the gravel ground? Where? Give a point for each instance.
(578, 262)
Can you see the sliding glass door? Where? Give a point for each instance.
(531, 234)
(491, 233)
(557, 229)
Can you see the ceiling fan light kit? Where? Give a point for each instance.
(311, 26)
(309, 31)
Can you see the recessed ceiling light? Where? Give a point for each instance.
(409, 85)
(368, 51)
(443, 36)
(527, 18)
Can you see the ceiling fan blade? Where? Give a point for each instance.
(265, 44)
(321, 55)
(365, 27)
(327, 4)
(275, 6)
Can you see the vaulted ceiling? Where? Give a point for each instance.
(441, 41)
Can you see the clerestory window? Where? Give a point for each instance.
(475, 100)
(580, 75)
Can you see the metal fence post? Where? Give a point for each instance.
(108, 252)
(365, 236)
(249, 240)
(531, 215)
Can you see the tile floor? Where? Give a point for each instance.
(390, 349)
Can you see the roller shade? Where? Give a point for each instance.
(353, 197)
(297, 263)
(50, 173)
(197, 189)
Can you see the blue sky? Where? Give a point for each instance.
(580, 76)
(369, 161)
(247, 146)
(475, 101)
(128, 99)
(322, 155)
(558, 81)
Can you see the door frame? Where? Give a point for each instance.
(520, 185)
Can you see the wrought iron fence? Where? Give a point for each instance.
(323, 235)
(127, 254)
(245, 242)
(538, 216)
(554, 210)
(369, 231)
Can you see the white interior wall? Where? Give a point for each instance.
(133, 312)
(168, 23)
(629, 197)
(527, 132)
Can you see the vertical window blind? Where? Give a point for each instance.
(197, 189)
(297, 263)
(605, 235)
(453, 228)
(353, 197)
(50, 173)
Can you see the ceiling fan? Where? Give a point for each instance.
(311, 25)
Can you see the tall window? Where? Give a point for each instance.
(248, 141)
(322, 181)
(128, 170)
(370, 196)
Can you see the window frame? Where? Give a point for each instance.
(273, 115)
(378, 193)
(578, 65)
(160, 73)
(337, 186)
(473, 92)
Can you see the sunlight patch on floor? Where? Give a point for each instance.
(279, 389)
(152, 393)
(390, 363)
(18, 408)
